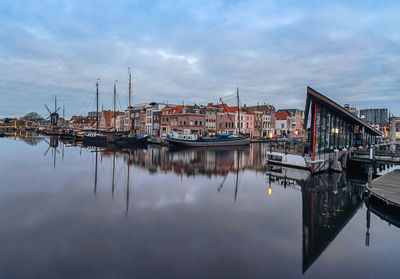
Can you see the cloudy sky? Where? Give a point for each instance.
(196, 51)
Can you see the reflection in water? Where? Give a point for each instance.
(31, 139)
(187, 162)
(197, 215)
(390, 214)
(329, 202)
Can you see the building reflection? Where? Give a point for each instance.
(29, 138)
(192, 162)
(329, 203)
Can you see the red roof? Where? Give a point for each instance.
(281, 115)
(227, 108)
(175, 109)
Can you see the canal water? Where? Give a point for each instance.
(82, 212)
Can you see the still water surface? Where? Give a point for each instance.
(155, 213)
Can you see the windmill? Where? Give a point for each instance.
(53, 115)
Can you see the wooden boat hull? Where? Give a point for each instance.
(209, 143)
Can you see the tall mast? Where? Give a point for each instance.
(97, 105)
(129, 108)
(115, 116)
(237, 95)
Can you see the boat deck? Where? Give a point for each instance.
(387, 188)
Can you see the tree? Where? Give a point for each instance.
(32, 116)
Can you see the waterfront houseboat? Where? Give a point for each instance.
(178, 140)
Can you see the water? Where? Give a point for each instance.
(181, 214)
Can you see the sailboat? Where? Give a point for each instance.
(130, 140)
(226, 139)
(95, 137)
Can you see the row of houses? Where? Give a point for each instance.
(159, 120)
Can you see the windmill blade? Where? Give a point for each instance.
(48, 117)
(57, 109)
(47, 108)
(45, 153)
(46, 141)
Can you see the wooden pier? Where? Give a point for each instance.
(387, 188)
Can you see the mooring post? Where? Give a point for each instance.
(368, 226)
(371, 164)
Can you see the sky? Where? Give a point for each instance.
(197, 51)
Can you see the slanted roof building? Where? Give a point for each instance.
(330, 126)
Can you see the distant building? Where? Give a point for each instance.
(289, 121)
(268, 119)
(257, 131)
(281, 123)
(268, 124)
(93, 114)
(83, 122)
(350, 109)
(211, 112)
(374, 116)
(183, 119)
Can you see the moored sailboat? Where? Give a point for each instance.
(225, 139)
(130, 140)
(95, 137)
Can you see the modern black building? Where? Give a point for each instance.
(330, 126)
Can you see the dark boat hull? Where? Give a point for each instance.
(209, 143)
(94, 139)
(131, 141)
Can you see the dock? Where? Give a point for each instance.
(387, 188)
